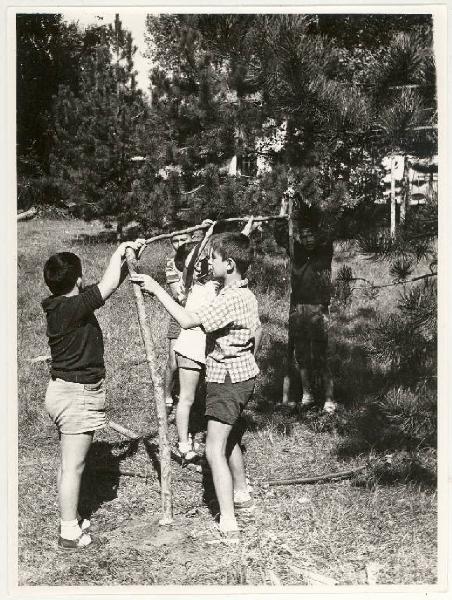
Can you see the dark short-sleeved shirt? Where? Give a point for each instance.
(75, 337)
(311, 270)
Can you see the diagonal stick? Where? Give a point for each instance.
(165, 457)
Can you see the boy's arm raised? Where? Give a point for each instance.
(115, 273)
(185, 318)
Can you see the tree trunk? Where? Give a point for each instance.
(164, 447)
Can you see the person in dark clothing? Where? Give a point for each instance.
(309, 306)
(75, 397)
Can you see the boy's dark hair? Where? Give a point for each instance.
(235, 246)
(181, 255)
(61, 272)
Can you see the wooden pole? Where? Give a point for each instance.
(393, 198)
(167, 236)
(404, 200)
(287, 379)
(165, 455)
(128, 433)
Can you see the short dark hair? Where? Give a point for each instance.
(181, 255)
(61, 272)
(235, 246)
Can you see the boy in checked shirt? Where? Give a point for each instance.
(234, 332)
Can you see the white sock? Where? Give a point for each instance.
(241, 496)
(70, 530)
(84, 524)
(185, 446)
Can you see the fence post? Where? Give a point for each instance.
(164, 447)
(393, 198)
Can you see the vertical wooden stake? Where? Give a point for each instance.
(404, 200)
(287, 379)
(164, 447)
(393, 198)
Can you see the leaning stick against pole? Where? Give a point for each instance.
(165, 454)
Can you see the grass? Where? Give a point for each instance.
(335, 528)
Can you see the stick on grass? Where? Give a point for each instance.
(317, 478)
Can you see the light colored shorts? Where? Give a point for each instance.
(76, 407)
(191, 343)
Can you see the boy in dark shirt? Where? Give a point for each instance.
(309, 305)
(75, 398)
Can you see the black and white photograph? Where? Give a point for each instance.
(212, 201)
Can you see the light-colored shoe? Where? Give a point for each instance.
(330, 406)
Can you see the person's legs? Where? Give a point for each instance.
(288, 376)
(235, 459)
(217, 437)
(74, 448)
(321, 358)
(188, 380)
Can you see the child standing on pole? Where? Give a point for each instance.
(233, 329)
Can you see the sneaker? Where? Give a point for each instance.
(243, 501)
(79, 543)
(186, 452)
(248, 505)
(330, 406)
(230, 535)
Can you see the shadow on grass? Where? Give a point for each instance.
(100, 480)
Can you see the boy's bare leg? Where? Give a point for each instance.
(170, 371)
(330, 404)
(287, 376)
(237, 468)
(307, 386)
(217, 437)
(74, 449)
(188, 381)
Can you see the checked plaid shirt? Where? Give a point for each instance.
(230, 322)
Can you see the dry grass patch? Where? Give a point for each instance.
(335, 529)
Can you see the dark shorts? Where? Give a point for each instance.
(308, 326)
(226, 401)
(173, 329)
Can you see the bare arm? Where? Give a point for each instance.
(116, 271)
(185, 318)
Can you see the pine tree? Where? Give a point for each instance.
(97, 130)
